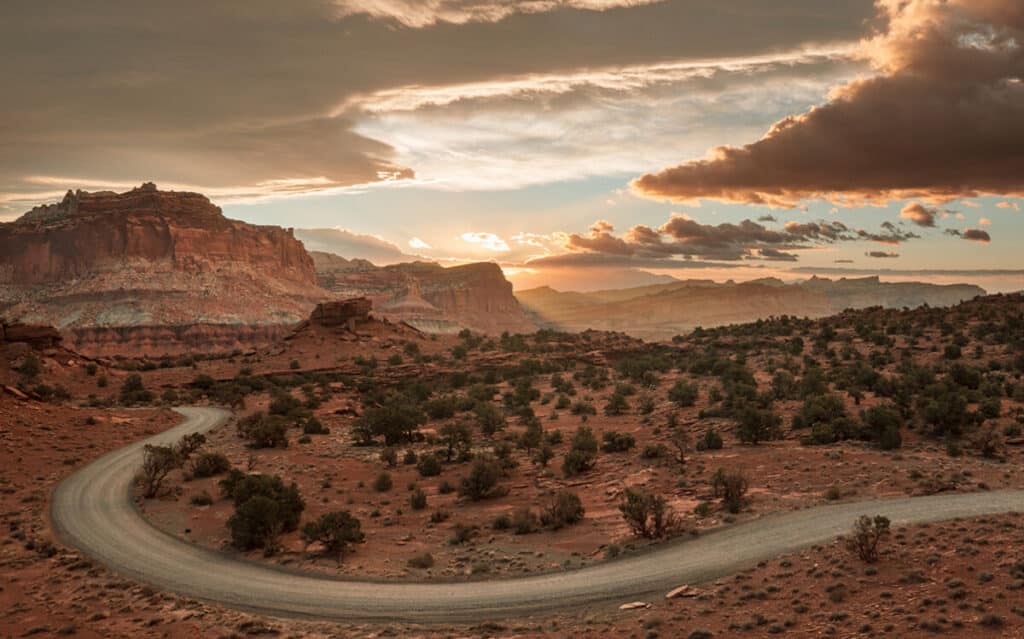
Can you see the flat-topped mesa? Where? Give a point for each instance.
(150, 259)
(348, 313)
(172, 230)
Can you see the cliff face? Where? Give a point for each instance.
(662, 311)
(429, 296)
(149, 258)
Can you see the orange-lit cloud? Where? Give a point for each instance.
(422, 13)
(935, 124)
(683, 237)
(918, 214)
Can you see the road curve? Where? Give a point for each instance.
(93, 511)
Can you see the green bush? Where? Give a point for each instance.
(264, 431)
(428, 465)
(482, 480)
(313, 426)
(334, 531)
(209, 464)
(383, 483)
(683, 394)
(617, 442)
(562, 509)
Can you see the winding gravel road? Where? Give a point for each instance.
(93, 511)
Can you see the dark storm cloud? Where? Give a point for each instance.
(944, 119)
(253, 95)
(972, 235)
(881, 254)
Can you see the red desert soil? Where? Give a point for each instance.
(961, 578)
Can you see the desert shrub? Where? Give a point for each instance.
(502, 522)
(462, 533)
(867, 534)
(482, 480)
(731, 487)
(257, 523)
(489, 418)
(157, 463)
(446, 488)
(383, 483)
(428, 465)
(410, 457)
(562, 509)
(134, 392)
(31, 367)
(418, 499)
(758, 424)
(653, 451)
(532, 438)
(389, 456)
(396, 420)
(334, 531)
(683, 394)
(648, 515)
(439, 516)
(202, 499)
(421, 562)
(457, 439)
(286, 405)
(710, 441)
(294, 365)
(313, 426)
(443, 407)
(264, 509)
(882, 424)
(617, 405)
(264, 431)
(583, 408)
(617, 442)
(209, 464)
(524, 521)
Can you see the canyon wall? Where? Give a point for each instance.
(427, 295)
(103, 266)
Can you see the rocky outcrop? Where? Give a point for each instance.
(149, 258)
(36, 336)
(110, 341)
(342, 312)
(662, 311)
(428, 296)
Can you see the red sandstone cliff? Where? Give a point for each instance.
(133, 261)
(427, 295)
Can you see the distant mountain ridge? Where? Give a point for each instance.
(661, 311)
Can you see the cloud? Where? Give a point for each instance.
(767, 218)
(844, 261)
(247, 98)
(422, 13)
(1009, 205)
(984, 221)
(881, 254)
(352, 245)
(775, 255)
(977, 235)
(684, 237)
(417, 243)
(919, 214)
(973, 235)
(486, 241)
(937, 123)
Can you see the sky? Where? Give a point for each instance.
(580, 144)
